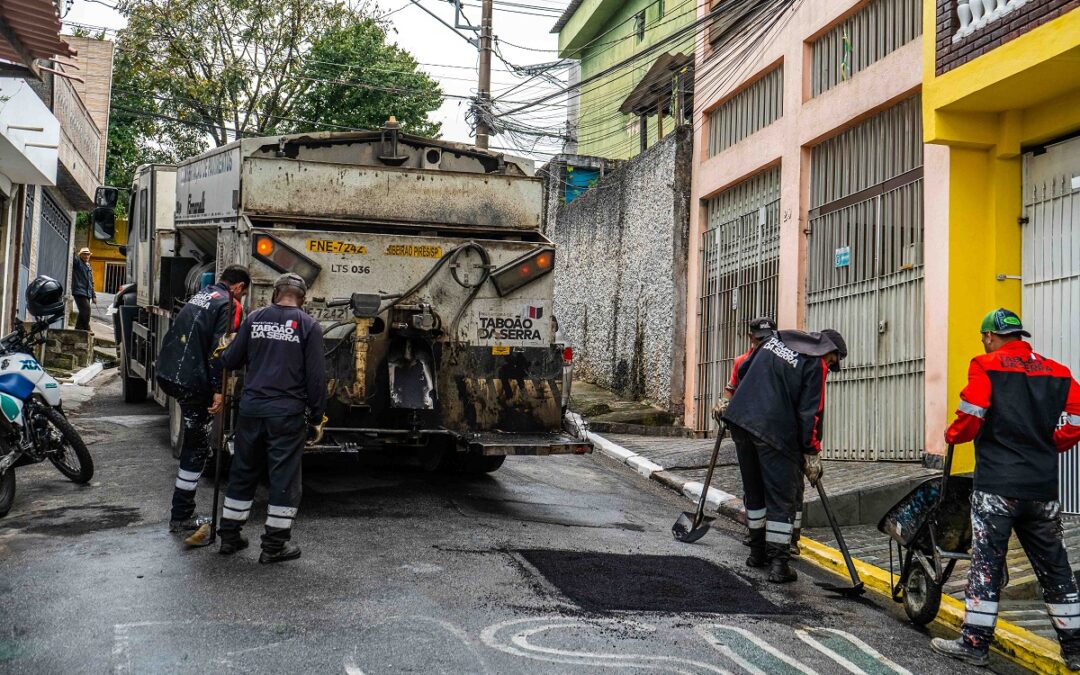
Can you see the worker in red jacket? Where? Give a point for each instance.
(1012, 407)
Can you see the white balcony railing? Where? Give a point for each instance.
(975, 15)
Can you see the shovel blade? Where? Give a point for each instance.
(847, 591)
(683, 530)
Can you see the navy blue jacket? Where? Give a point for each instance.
(184, 365)
(282, 350)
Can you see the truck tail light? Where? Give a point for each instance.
(283, 258)
(568, 354)
(525, 269)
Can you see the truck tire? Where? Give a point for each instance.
(7, 491)
(134, 387)
(176, 428)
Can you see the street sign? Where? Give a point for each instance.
(842, 257)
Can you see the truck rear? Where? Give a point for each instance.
(426, 268)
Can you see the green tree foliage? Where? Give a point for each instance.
(358, 80)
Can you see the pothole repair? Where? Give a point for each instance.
(647, 583)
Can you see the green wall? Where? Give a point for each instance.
(602, 129)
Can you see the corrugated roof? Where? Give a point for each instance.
(567, 13)
(655, 85)
(31, 28)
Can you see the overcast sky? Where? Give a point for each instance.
(443, 54)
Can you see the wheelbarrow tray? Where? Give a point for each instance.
(909, 522)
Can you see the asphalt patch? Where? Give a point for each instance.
(647, 583)
(69, 521)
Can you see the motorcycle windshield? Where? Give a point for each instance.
(16, 385)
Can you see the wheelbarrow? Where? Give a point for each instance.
(930, 530)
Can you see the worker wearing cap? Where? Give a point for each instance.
(1012, 407)
(284, 394)
(186, 371)
(82, 288)
(776, 418)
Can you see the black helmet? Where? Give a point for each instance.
(45, 297)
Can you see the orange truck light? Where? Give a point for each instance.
(524, 270)
(278, 255)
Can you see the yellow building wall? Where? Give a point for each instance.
(101, 253)
(986, 111)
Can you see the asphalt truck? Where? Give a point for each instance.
(426, 268)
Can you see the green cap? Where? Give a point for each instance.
(1003, 322)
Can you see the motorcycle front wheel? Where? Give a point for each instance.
(68, 453)
(7, 491)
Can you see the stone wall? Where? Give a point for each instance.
(620, 272)
(68, 349)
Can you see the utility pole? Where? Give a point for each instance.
(483, 94)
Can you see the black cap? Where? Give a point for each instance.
(761, 327)
(841, 346)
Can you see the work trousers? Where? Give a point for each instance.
(273, 446)
(82, 305)
(772, 481)
(1038, 527)
(196, 420)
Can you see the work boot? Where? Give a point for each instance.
(232, 543)
(288, 551)
(780, 572)
(757, 559)
(958, 649)
(189, 524)
(1072, 661)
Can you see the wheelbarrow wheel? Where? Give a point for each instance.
(922, 597)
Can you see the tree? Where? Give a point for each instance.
(143, 129)
(357, 80)
(232, 66)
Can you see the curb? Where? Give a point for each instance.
(1015, 643)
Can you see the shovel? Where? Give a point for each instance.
(692, 526)
(856, 587)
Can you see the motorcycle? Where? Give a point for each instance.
(33, 426)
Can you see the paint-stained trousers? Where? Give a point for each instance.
(772, 480)
(196, 420)
(1038, 527)
(273, 446)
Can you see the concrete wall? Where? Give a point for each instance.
(620, 284)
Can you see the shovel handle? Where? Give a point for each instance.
(852, 572)
(699, 515)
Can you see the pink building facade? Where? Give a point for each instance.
(814, 200)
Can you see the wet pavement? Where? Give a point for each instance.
(553, 565)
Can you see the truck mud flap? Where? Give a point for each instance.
(495, 443)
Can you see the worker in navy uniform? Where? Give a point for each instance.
(186, 372)
(776, 418)
(1013, 407)
(281, 348)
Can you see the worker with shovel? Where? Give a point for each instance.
(775, 418)
(756, 331)
(1012, 407)
(187, 372)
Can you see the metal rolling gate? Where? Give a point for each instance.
(865, 279)
(1051, 273)
(54, 254)
(740, 259)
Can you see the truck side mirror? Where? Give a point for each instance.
(102, 217)
(104, 222)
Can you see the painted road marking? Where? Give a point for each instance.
(751, 652)
(850, 652)
(516, 637)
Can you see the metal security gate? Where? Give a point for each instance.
(740, 259)
(54, 254)
(1051, 273)
(865, 279)
(115, 274)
